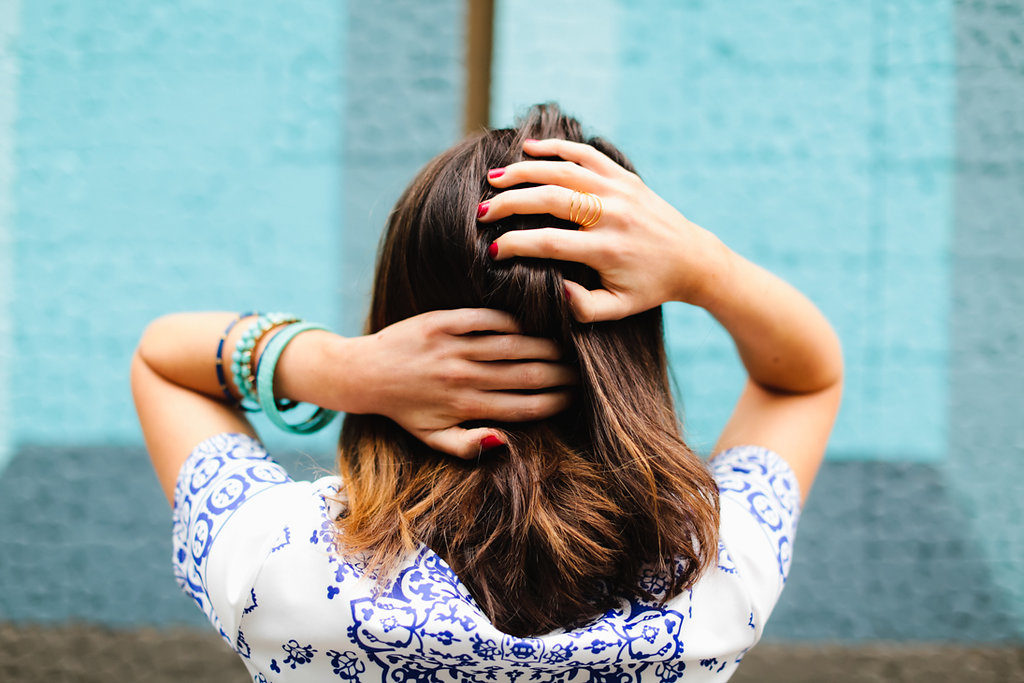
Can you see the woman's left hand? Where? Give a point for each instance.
(645, 251)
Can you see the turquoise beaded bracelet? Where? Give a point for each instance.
(265, 383)
(241, 359)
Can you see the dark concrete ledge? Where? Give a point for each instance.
(882, 663)
(91, 654)
(87, 654)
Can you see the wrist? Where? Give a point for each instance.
(350, 374)
(307, 370)
(718, 264)
(344, 374)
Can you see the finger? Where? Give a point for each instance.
(510, 347)
(591, 306)
(465, 320)
(578, 152)
(508, 407)
(563, 173)
(554, 243)
(552, 199)
(523, 376)
(464, 443)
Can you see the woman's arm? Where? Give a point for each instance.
(429, 374)
(648, 253)
(793, 359)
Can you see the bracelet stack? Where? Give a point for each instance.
(254, 377)
(243, 368)
(264, 384)
(221, 379)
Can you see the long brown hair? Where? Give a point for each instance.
(561, 525)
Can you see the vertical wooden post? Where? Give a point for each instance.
(479, 41)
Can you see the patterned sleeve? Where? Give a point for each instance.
(760, 503)
(227, 493)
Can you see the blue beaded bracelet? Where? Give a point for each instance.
(321, 417)
(221, 378)
(241, 359)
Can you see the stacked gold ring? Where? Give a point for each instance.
(585, 209)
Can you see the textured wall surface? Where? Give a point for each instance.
(402, 107)
(986, 445)
(189, 154)
(870, 154)
(170, 156)
(815, 138)
(8, 101)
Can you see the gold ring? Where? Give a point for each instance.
(585, 209)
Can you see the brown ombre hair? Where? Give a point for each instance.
(559, 526)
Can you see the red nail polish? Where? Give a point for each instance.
(482, 209)
(490, 441)
(496, 173)
(565, 289)
(492, 250)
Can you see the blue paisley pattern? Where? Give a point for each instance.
(424, 625)
(220, 475)
(764, 484)
(410, 630)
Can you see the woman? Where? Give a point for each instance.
(516, 311)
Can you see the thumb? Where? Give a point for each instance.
(464, 443)
(591, 306)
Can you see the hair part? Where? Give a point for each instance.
(562, 524)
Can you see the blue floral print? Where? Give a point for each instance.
(423, 624)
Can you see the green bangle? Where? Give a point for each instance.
(265, 383)
(242, 361)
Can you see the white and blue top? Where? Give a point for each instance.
(255, 550)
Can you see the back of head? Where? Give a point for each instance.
(581, 506)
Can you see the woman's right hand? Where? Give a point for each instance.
(434, 371)
(646, 252)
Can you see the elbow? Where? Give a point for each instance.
(150, 342)
(825, 368)
(829, 366)
(145, 358)
(837, 364)
(137, 375)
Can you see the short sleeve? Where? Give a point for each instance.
(227, 501)
(760, 508)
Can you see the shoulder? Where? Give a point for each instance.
(232, 506)
(758, 478)
(760, 509)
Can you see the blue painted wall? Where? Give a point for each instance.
(179, 155)
(170, 155)
(864, 152)
(815, 138)
(8, 100)
(187, 154)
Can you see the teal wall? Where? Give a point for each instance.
(8, 100)
(815, 138)
(167, 158)
(185, 155)
(839, 145)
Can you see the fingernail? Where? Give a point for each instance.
(531, 140)
(492, 250)
(496, 173)
(490, 441)
(482, 209)
(565, 289)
